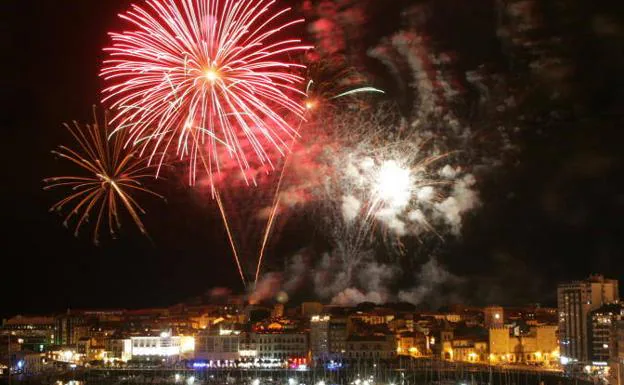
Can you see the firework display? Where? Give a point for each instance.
(266, 131)
(195, 74)
(296, 176)
(322, 92)
(391, 176)
(110, 176)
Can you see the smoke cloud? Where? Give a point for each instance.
(266, 288)
(351, 207)
(462, 199)
(352, 297)
(368, 281)
(431, 277)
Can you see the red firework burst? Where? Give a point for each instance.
(199, 75)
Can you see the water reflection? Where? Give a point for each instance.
(70, 382)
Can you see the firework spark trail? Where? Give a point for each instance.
(198, 73)
(357, 91)
(111, 174)
(274, 206)
(230, 238)
(313, 96)
(273, 214)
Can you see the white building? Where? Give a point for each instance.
(278, 345)
(219, 344)
(165, 346)
(319, 337)
(328, 337)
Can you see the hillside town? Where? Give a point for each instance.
(583, 335)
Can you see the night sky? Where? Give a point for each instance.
(555, 214)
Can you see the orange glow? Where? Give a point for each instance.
(311, 104)
(275, 326)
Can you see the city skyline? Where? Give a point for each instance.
(581, 338)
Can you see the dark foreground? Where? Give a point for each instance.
(368, 375)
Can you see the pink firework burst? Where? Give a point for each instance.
(207, 78)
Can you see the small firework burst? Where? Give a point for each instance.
(327, 83)
(106, 180)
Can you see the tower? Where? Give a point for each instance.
(575, 301)
(493, 317)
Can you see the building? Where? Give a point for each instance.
(493, 317)
(617, 357)
(36, 333)
(371, 348)
(575, 300)
(373, 318)
(278, 339)
(328, 336)
(466, 349)
(219, 344)
(29, 326)
(101, 333)
(338, 333)
(319, 338)
(448, 317)
(469, 344)
(402, 324)
(538, 345)
(69, 329)
(601, 329)
(119, 349)
(89, 348)
(283, 346)
(163, 346)
(414, 344)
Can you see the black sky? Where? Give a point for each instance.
(556, 215)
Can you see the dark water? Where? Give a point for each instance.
(361, 376)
